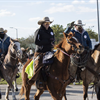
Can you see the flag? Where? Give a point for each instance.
(29, 69)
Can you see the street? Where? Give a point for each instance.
(73, 92)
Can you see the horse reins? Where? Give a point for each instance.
(63, 52)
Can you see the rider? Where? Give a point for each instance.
(80, 33)
(44, 40)
(4, 43)
(83, 38)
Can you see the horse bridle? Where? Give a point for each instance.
(16, 52)
(73, 45)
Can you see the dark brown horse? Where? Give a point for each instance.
(59, 76)
(91, 72)
(9, 67)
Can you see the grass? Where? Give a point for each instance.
(19, 81)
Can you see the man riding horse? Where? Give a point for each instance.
(44, 40)
(4, 44)
(84, 39)
(80, 33)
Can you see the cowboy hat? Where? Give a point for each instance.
(2, 30)
(45, 19)
(79, 23)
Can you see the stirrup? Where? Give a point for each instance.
(39, 85)
(17, 75)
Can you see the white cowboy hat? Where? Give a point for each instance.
(2, 30)
(79, 23)
(45, 19)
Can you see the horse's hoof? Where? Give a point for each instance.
(15, 99)
(6, 99)
(0, 96)
(16, 89)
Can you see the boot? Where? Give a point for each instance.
(39, 85)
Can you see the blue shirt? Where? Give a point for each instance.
(83, 38)
(4, 44)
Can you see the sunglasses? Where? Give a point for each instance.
(47, 23)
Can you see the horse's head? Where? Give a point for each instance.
(24, 55)
(72, 43)
(15, 49)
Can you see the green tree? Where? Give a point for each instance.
(92, 34)
(27, 42)
(58, 30)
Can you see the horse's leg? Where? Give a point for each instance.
(97, 90)
(12, 89)
(27, 90)
(13, 93)
(15, 85)
(7, 92)
(0, 95)
(65, 98)
(38, 94)
(85, 90)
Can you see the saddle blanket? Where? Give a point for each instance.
(29, 69)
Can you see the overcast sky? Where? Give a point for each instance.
(24, 14)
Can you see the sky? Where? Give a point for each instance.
(23, 15)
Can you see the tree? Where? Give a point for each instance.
(92, 34)
(27, 42)
(58, 32)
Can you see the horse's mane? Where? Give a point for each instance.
(59, 44)
(96, 46)
(14, 40)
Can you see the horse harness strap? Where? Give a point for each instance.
(13, 57)
(93, 72)
(63, 52)
(64, 82)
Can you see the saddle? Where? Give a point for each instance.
(48, 59)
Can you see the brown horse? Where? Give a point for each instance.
(59, 76)
(21, 62)
(9, 67)
(91, 72)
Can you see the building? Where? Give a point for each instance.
(94, 42)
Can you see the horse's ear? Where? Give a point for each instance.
(65, 34)
(14, 40)
(22, 48)
(11, 41)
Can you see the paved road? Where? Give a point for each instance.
(73, 92)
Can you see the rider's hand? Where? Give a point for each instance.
(72, 24)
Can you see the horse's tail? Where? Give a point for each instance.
(24, 78)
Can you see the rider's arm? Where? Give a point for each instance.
(69, 27)
(38, 40)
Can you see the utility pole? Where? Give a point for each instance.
(16, 32)
(98, 22)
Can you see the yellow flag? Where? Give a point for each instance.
(29, 69)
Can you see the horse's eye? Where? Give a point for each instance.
(71, 39)
(14, 46)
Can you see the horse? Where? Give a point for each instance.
(9, 66)
(90, 73)
(21, 62)
(58, 76)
